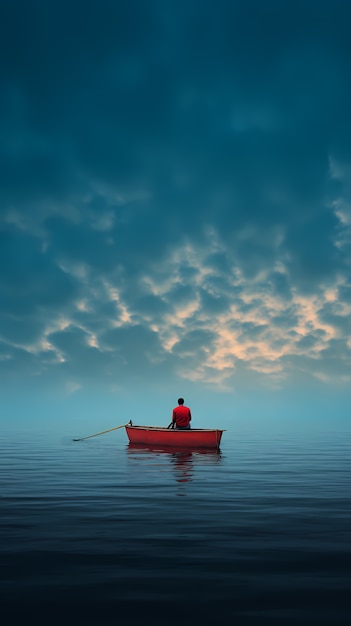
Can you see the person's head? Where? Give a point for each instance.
(180, 400)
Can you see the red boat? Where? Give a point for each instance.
(162, 436)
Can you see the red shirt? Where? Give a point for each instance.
(181, 415)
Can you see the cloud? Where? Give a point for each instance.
(175, 191)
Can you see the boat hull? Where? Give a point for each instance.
(157, 436)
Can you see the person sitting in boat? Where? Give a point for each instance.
(181, 416)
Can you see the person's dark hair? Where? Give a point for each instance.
(180, 400)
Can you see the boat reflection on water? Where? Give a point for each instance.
(183, 461)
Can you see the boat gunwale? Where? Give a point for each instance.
(176, 430)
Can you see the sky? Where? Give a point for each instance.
(175, 207)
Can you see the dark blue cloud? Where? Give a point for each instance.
(30, 280)
(175, 179)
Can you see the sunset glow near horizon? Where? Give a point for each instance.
(175, 213)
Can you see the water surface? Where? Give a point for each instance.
(100, 532)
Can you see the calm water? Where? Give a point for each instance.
(97, 532)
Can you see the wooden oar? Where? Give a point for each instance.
(102, 432)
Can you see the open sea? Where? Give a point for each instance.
(100, 533)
